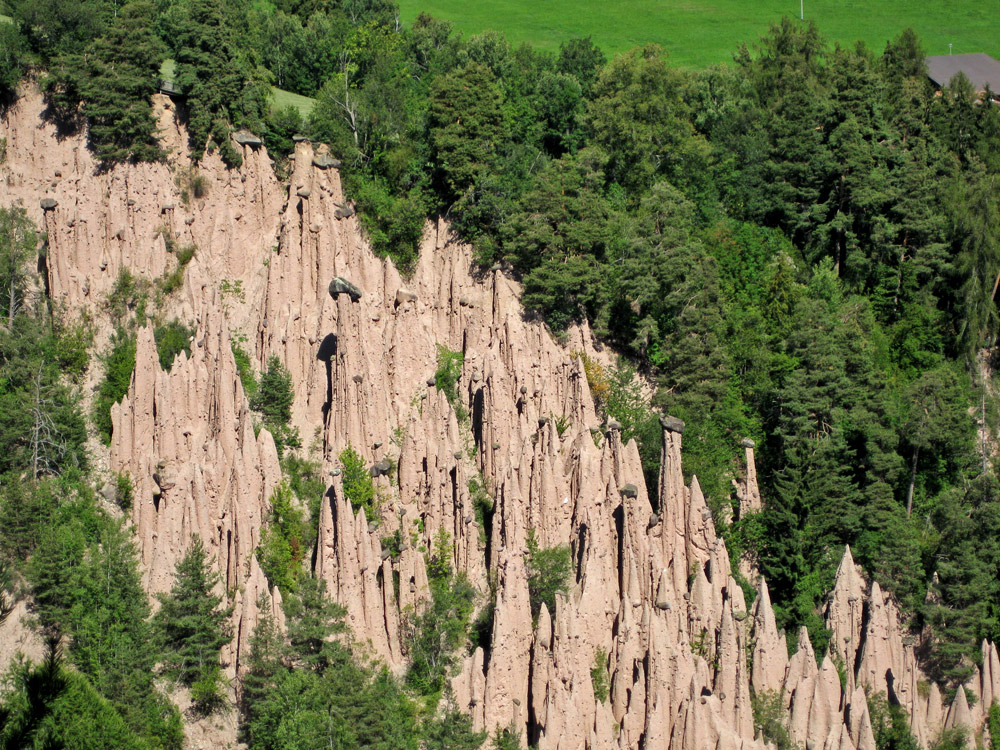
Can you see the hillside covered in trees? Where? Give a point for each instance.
(801, 247)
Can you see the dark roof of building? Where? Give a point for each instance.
(981, 69)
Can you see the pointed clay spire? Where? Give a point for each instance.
(770, 655)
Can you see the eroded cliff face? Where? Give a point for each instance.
(654, 591)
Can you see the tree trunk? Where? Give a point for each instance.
(12, 300)
(913, 481)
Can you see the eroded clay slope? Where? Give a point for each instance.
(652, 591)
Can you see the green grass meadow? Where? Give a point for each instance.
(279, 97)
(698, 33)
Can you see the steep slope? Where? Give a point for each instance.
(652, 590)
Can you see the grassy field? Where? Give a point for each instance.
(279, 97)
(698, 33)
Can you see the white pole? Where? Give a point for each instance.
(802, 10)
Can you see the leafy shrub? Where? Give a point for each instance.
(185, 254)
(993, 725)
(273, 400)
(192, 185)
(951, 739)
(770, 720)
(548, 574)
(482, 626)
(282, 124)
(446, 377)
(174, 280)
(71, 346)
(442, 627)
(232, 288)
(597, 379)
(393, 544)
(118, 366)
(207, 692)
(172, 338)
(626, 403)
(124, 491)
(599, 675)
(283, 541)
(128, 294)
(307, 483)
(244, 368)
(562, 424)
(359, 489)
(482, 503)
(508, 738)
(452, 730)
(890, 725)
(394, 223)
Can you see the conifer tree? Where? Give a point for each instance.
(223, 88)
(312, 619)
(49, 706)
(111, 637)
(273, 400)
(191, 624)
(264, 667)
(123, 75)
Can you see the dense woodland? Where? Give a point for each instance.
(801, 247)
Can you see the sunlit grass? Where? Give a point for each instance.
(698, 33)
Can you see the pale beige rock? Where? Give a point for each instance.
(17, 638)
(985, 676)
(801, 666)
(859, 721)
(825, 708)
(882, 648)
(844, 612)
(770, 655)
(960, 716)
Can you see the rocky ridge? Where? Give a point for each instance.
(654, 591)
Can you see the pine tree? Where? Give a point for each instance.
(123, 74)
(274, 396)
(191, 625)
(312, 620)
(264, 668)
(49, 706)
(223, 88)
(111, 637)
(273, 399)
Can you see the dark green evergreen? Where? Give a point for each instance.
(223, 86)
(49, 706)
(114, 78)
(273, 400)
(118, 367)
(192, 625)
